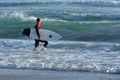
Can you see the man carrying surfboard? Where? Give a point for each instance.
(37, 27)
(40, 35)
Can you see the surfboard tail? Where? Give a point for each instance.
(26, 31)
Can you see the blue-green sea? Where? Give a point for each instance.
(90, 31)
(85, 20)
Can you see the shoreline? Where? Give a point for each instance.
(19, 74)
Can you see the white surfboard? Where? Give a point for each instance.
(44, 34)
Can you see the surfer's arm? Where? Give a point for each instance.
(37, 32)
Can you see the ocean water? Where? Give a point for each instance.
(90, 31)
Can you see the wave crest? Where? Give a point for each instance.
(17, 16)
(73, 2)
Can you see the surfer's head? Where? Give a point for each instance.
(38, 20)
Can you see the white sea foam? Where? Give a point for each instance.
(17, 15)
(50, 19)
(24, 17)
(73, 56)
(8, 1)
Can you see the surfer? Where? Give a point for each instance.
(37, 27)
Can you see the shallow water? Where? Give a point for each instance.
(90, 32)
(77, 56)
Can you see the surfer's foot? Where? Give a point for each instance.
(43, 49)
(36, 48)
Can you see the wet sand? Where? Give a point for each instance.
(18, 74)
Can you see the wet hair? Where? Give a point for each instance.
(38, 19)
